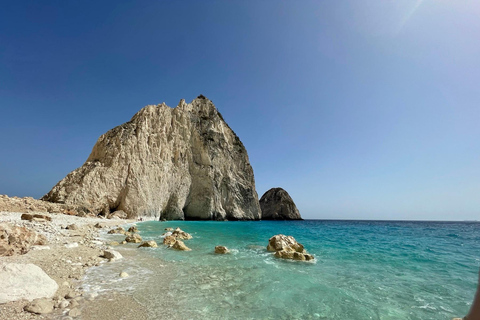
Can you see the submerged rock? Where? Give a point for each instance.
(221, 250)
(169, 163)
(24, 281)
(286, 247)
(276, 204)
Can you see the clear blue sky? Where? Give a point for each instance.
(359, 109)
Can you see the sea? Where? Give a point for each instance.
(362, 270)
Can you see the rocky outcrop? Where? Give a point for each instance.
(276, 204)
(18, 240)
(30, 205)
(286, 247)
(180, 163)
(24, 281)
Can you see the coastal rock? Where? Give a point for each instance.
(281, 242)
(40, 306)
(112, 255)
(276, 204)
(18, 240)
(181, 235)
(133, 229)
(286, 247)
(168, 163)
(118, 230)
(135, 238)
(169, 240)
(123, 274)
(221, 250)
(72, 227)
(148, 244)
(24, 281)
(179, 245)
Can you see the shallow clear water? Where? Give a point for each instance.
(363, 270)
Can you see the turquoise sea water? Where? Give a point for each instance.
(363, 270)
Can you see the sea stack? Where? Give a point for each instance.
(170, 163)
(276, 204)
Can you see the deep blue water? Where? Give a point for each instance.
(363, 269)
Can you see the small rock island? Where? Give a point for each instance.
(276, 204)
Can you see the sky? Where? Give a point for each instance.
(359, 109)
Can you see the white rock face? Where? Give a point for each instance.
(24, 281)
(170, 163)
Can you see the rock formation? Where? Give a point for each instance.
(286, 247)
(276, 204)
(18, 240)
(171, 163)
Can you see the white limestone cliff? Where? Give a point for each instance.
(171, 163)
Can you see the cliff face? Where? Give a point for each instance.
(276, 204)
(171, 163)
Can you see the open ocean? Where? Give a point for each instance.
(363, 270)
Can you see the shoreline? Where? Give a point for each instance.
(67, 257)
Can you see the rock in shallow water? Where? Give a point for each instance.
(148, 244)
(221, 250)
(179, 245)
(135, 238)
(286, 247)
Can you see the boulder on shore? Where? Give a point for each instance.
(286, 247)
(112, 255)
(24, 281)
(276, 204)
